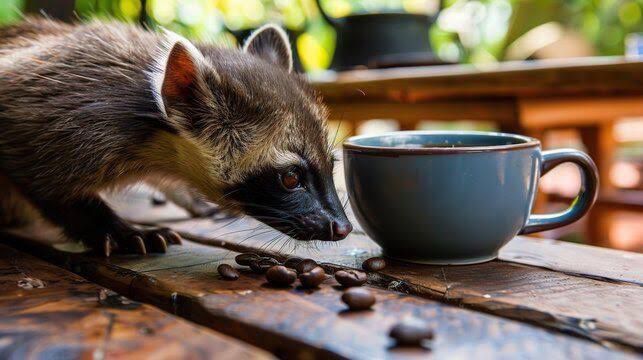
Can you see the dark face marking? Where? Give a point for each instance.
(309, 211)
(242, 101)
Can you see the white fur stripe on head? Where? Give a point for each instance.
(157, 72)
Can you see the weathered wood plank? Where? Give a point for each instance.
(576, 259)
(573, 259)
(549, 298)
(563, 297)
(47, 312)
(296, 323)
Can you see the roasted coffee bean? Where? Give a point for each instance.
(279, 275)
(358, 298)
(312, 278)
(411, 332)
(374, 264)
(246, 258)
(306, 265)
(292, 262)
(262, 265)
(228, 272)
(349, 278)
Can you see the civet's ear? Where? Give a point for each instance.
(270, 43)
(180, 71)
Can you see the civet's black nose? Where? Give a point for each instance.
(341, 229)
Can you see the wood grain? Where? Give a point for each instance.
(49, 313)
(561, 276)
(576, 259)
(565, 299)
(297, 323)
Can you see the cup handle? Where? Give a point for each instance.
(583, 201)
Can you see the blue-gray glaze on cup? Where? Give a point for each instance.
(454, 197)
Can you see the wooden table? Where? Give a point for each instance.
(522, 97)
(50, 313)
(517, 95)
(541, 299)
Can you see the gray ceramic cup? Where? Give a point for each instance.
(454, 197)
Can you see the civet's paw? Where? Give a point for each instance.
(133, 241)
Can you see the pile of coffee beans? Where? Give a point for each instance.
(358, 298)
(408, 332)
(310, 274)
(411, 332)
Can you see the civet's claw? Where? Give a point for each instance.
(138, 245)
(174, 238)
(157, 243)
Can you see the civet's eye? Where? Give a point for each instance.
(290, 179)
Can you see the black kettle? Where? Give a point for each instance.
(380, 40)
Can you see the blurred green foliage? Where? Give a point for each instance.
(10, 10)
(474, 31)
(606, 23)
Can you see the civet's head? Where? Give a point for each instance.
(253, 133)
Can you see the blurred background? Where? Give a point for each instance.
(470, 31)
(475, 32)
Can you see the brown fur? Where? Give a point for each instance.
(81, 112)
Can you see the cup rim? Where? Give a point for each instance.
(526, 142)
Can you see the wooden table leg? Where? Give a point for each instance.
(600, 144)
